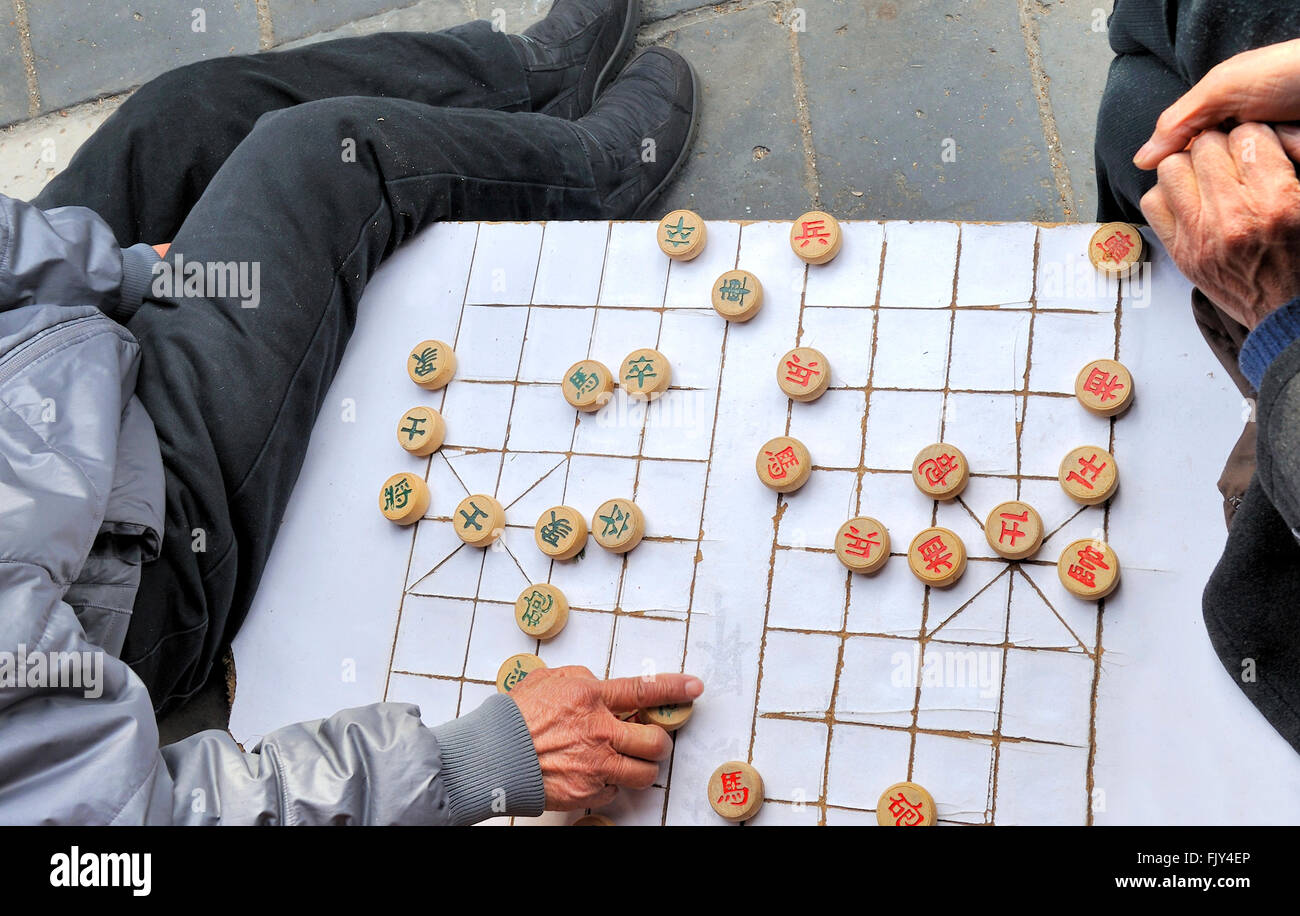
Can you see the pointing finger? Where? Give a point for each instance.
(637, 692)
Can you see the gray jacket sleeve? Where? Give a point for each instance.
(81, 747)
(373, 764)
(69, 256)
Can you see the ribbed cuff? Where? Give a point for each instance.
(489, 764)
(137, 273)
(1266, 343)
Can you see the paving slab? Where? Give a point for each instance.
(83, 56)
(748, 159)
(13, 76)
(426, 16)
(293, 19)
(1076, 58)
(656, 10)
(892, 91)
(511, 16)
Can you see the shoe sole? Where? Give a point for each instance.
(650, 198)
(622, 51)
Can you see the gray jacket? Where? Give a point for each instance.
(81, 508)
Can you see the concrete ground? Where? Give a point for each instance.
(870, 109)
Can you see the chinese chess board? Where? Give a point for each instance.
(1009, 699)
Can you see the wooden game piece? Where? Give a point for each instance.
(804, 374)
(940, 471)
(1089, 475)
(669, 717)
(593, 820)
(1104, 387)
(588, 385)
(515, 668)
(431, 364)
(1088, 569)
(1014, 530)
(404, 498)
(862, 544)
(561, 532)
(541, 610)
(618, 525)
(682, 235)
(421, 431)
(479, 520)
(905, 804)
(736, 791)
(645, 374)
(737, 295)
(1114, 248)
(783, 464)
(937, 557)
(815, 237)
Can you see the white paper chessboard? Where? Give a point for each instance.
(1032, 706)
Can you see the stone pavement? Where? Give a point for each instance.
(879, 109)
(871, 109)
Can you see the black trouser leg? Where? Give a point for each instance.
(234, 391)
(151, 160)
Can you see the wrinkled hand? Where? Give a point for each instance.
(586, 753)
(1228, 211)
(1258, 85)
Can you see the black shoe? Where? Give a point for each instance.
(575, 51)
(640, 130)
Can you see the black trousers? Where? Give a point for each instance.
(1162, 48)
(315, 165)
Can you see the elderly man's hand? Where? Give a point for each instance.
(586, 753)
(1229, 213)
(1258, 85)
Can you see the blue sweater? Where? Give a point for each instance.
(1266, 343)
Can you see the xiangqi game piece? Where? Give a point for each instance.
(1104, 387)
(645, 374)
(1088, 569)
(593, 820)
(479, 520)
(561, 532)
(618, 525)
(669, 717)
(905, 804)
(588, 385)
(736, 791)
(937, 557)
(404, 498)
(940, 471)
(862, 544)
(681, 235)
(783, 464)
(515, 668)
(815, 237)
(737, 295)
(1014, 530)
(541, 610)
(1115, 248)
(803, 374)
(1089, 475)
(421, 431)
(431, 364)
